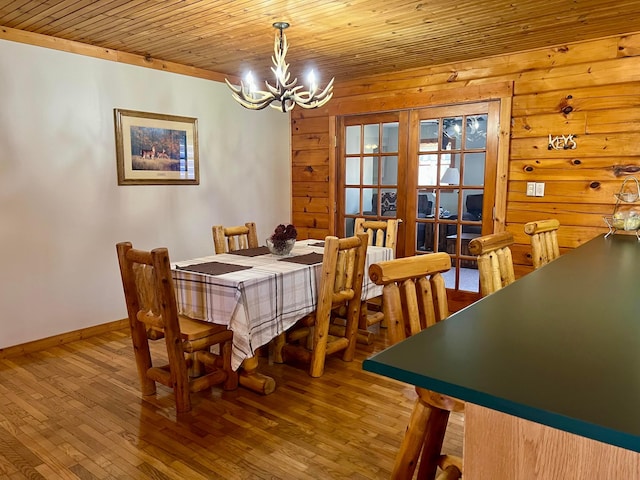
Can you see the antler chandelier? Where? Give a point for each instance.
(286, 94)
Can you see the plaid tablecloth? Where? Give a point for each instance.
(261, 302)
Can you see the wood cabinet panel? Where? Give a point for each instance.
(497, 445)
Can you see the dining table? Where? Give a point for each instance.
(258, 295)
(549, 368)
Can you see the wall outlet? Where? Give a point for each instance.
(531, 189)
(539, 189)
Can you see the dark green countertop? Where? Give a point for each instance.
(560, 346)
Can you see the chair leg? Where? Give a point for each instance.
(179, 376)
(143, 358)
(407, 457)
(232, 376)
(450, 473)
(432, 445)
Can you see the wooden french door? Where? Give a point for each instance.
(451, 172)
(433, 168)
(372, 151)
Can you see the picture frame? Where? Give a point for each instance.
(156, 149)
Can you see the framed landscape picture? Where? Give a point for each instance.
(156, 149)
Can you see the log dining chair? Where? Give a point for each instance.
(544, 241)
(153, 313)
(382, 233)
(229, 239)
(495, 263)
(339, 293)
(414, 298)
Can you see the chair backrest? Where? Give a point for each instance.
(151, 304)
(544, 241)
(229, 239)
(495, 263)
(414, 295)
(339, 291)
(381, 233)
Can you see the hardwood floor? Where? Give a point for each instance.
(75, 412)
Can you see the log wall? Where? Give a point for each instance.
(588, 89)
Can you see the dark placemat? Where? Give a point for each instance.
(251, 252)
(214, 268)
(317, 244)
(308, 259)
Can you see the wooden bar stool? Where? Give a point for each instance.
(414, 298)
(544, 241)
(495, 263)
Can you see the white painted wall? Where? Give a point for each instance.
(61, 209)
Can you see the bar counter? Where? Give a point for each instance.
(560, 347)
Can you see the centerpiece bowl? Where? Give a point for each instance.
(282, 240)
(280, 247)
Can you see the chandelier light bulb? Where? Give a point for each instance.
(313, 86)
(251, 86)
(285, 94)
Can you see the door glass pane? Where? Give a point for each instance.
(390, 137)
(472, 210)
(429, 135)
(371, 139)
(352, 201)
(427, 169)
(448, 205)
(370, 171)
(352, 139)
(476, 136)
(349, 225)
(389, 171)
(389, 202)
(474, 168)
(352, 176)
(452, 133)
(370, 201)
(425, 237)
(426, 203)
(449, 169)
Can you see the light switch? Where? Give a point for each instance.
(531, 189)
(539, 189)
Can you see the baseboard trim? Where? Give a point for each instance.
(44, 343)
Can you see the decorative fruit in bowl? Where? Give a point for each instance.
(626, 220)
(282, 240)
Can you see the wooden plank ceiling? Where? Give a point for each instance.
(346, 39)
